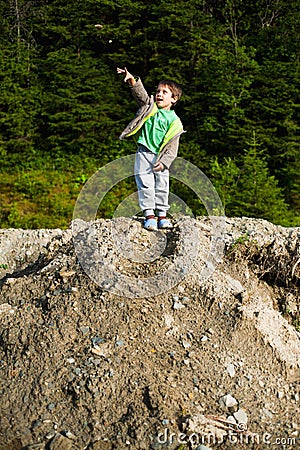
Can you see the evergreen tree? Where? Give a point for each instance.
(20, 91)
(247, 188)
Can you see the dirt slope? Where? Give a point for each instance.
(209, 363)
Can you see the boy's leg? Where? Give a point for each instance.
(162, 198)
(162, 192)
(145, 181)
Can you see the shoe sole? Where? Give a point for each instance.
(151, 228)
(165, 227)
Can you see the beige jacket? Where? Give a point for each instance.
(147, 107)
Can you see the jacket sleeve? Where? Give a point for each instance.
(169, 153)
(139, 93)
(145, 104)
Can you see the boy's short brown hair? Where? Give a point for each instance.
(174, 87)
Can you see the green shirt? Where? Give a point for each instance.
(155, 129)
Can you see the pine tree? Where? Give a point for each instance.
(257, 193)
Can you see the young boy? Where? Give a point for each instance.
(158, 141)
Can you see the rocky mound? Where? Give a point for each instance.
(208, 360)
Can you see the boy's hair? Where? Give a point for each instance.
(174, 87)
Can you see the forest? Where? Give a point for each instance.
(63, 105)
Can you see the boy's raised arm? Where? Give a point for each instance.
(128, 77)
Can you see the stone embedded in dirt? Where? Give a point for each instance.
(178, 305)
(240, 416)
(6, 308)
(59, 442)
(84, 329)
(51, 434)
(230, 370)
(231, 419)
(280, 394)
(266, 413)
(186, 344)
(68, 434)
(228, 401)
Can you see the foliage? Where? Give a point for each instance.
(247, 188)
(62, 105)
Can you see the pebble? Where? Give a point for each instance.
(228, 401)
(178, 305)
(69, 435)
(204, 338)
(230, 370)
(51, 434)
(5, 307)
(97, 340)
(186, 344)
(240, 416)
(196, 381)
(59, 442)
(36, 424)
(231, 419)
(71, 360)
(85, 330)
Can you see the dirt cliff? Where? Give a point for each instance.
(210, 359)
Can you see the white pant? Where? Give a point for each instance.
(153, 187)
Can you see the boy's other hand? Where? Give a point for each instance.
(158, 166)
(128, 76)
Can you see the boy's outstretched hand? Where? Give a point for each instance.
(128, 76)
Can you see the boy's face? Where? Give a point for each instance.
(164, 97)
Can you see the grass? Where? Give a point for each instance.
(42, 197)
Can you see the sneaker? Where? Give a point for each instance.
(150, 224)
(164, 223)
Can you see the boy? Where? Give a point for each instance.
(158, 141)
